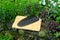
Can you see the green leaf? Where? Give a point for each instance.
(57, 34)
(58, 19)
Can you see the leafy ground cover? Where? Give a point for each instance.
(48, 11)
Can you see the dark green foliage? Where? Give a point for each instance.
(9, 9)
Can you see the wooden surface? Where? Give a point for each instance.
(33, 27)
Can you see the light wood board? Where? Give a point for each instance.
(33, 27)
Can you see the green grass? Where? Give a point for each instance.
(9, 9)
(7, 36)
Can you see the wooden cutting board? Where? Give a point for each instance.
(33, 26)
